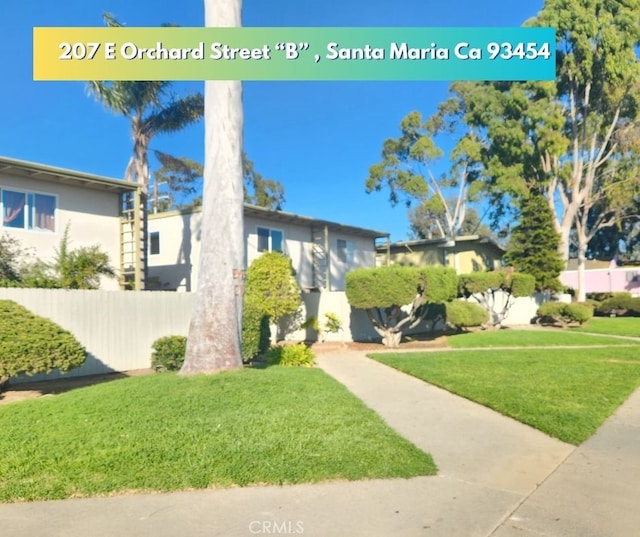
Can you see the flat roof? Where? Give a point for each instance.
(442, 241)
(22, 168)
(290, 218)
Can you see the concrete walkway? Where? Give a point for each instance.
(497, 478)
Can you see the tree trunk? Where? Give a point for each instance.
(581, 296)
(214, 341)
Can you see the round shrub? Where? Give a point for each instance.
(619, 305)
(290, 356)
(461, 314)
(564, 314)
(32, 344)
(168, 353)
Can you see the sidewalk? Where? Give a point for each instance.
(491, 468)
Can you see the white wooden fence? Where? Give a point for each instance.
(116, 327)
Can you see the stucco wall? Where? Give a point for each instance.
(464, 257)
(92, 215)
(176, 267)
(619, 279)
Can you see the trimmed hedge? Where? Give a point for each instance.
(620, 306)
(31, 344)
(564, 314)
(461, 314)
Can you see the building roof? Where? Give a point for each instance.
(440, 242)
(290, 218)
(21, 168)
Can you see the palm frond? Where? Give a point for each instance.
(176, 115)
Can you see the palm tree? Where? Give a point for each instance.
(151, 108)
(214, 340)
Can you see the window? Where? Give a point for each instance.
(27, 210)
(154, 243)
(270, 240)
(346, 251)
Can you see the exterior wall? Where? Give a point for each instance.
(465, 257)
(93, 217)
(116, 327)
(606, 280)
(175, 267)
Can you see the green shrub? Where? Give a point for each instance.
(564, 314)
(32, 344)
(621, 305)
(460, 314)
(168, 353)
(271, 286)
(255, 332)
(383, 291)
(290, 356)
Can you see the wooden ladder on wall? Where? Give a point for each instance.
(320, 257)
(133, 240)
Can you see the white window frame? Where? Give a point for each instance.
(28, 214)
(346, 255)
(269, 239)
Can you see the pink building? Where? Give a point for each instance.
(605, 277)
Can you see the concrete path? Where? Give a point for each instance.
(497, 478)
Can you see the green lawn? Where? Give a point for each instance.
(528, 338)
(617, 326)
(164, 432)
(567, 393)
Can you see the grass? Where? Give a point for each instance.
(566, 393)
(164, 432)
(528, 338)
(616, 326)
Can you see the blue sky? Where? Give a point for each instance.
(317, 138)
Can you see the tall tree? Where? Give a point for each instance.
(406, 169)
(183, 179)
(214, 340)
(428, 223)
(570, 137)
(152, 109)
(533, 248)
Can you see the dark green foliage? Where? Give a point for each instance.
(290, 356)
(32, 344)
(383, 291)
(168, 353)
(381, 287)
(515, 283)
(461, 314)
(620, 306)
(9, 266)
(255, 332)
(181, 178)
(563, 314)
(485, 288)
(534, 245)
(480, 282)
(271, 286)
(521, 284)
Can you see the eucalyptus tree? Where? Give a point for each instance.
(215, 332)
(570, 138)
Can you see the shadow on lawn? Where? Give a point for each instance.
(11, 393)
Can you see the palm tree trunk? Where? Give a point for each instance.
(214, 341)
